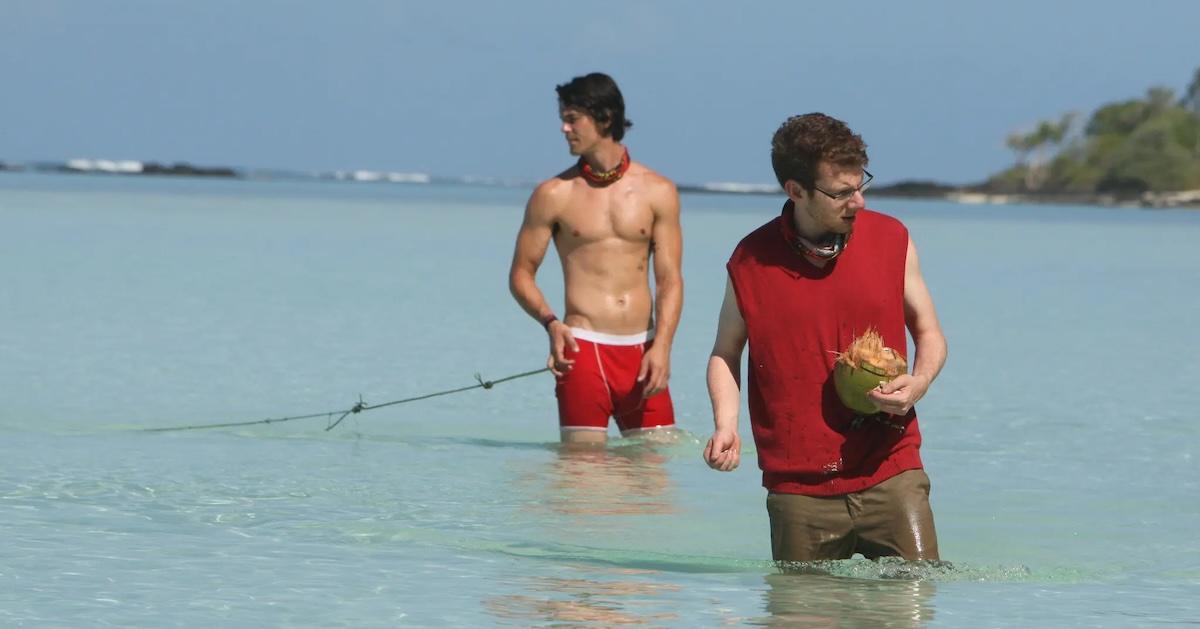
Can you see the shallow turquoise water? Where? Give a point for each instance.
(1061, 438)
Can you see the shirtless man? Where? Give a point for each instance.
(608, 216)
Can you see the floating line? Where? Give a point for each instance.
(357, 408)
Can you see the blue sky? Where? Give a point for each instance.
(467, 88)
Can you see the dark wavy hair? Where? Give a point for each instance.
(598, 95)
(801, 142)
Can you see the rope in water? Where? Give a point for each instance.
(357, 408)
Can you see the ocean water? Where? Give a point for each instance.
(1061, 439)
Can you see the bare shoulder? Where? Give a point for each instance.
(550, 196)
(557, 185)
(654, 180)
(660, 190)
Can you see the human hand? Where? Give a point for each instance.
(560, 339)
(723, 451)
(898, 396)
(655, 370)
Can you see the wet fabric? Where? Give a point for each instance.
(603, 384)
(892, 518)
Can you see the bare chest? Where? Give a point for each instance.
(606, 214)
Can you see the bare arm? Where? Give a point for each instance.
(899, 395)
(922, 321)
(723, 451)
(533, 239)
(668, 256)
(667, 239)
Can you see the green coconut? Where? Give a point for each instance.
(865, 364)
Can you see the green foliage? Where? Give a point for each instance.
(1117, 119)
(1159, 155)
(1127, 148)
(1067, 173)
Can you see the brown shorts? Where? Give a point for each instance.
(892, 518)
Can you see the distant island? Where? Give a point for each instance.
(1142, 152)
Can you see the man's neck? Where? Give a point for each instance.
(605, 157)
(806, 229)
(817, 250)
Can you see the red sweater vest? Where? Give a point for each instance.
(797, 316)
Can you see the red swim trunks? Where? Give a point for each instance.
(603, 383)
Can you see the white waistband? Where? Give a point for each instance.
(611, 339)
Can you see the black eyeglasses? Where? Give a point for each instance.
(846, 194)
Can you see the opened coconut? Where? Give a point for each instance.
(864, 365)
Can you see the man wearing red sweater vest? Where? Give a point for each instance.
(800, 289)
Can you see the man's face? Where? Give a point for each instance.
(579, 129)
(826, 214)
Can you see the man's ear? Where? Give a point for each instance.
(794, 190)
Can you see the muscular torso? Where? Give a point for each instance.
(603, 238)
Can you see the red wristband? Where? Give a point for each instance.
(547, 320)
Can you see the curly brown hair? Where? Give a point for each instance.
(802, 142)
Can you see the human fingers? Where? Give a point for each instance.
(560, 354)
(897, 403)
(654, 383)
(895, 384)
(570, 339)
(710, 454)
(720, 454)
(729, 460)
(716, 451)
(661, 377)
(735, 453)
(644, 369)
(879, 395)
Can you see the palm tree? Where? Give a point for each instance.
(1191, 98)
(1036, 145)
(1191, 102)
